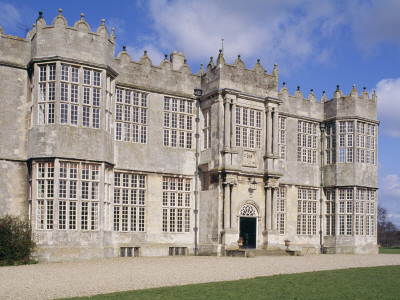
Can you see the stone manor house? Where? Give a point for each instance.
(113, 157)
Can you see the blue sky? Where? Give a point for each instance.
(316, 44)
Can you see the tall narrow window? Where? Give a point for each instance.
(330, 144)
(282, 137)
(366, 143)
(178, 123)
(45, 195)
(47, 94)
(281, 209)
(176, 203)
(345, 211)
(207, 129)
(68, 196)
(330, 212)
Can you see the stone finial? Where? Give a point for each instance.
(201, 71)
(184, 61)
(103, 21)
(220, 52)
(60, 11)
(145, 52)
(40, 14)
(239, 56)
(284, 84)
(354, 86)
(124, 48)
(323, 98)
(166, 56)
(374, 97)
(337, 87)
(323, 92)
(258, 60)
(82, 16)
(312, 91)
(298, 88)
(112, 29)
(364, 88)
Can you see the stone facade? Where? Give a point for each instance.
(113, 157)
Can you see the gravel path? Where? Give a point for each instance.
(56, 280)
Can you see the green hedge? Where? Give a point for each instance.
(16, 244)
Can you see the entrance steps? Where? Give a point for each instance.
(260, 252)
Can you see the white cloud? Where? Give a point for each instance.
(388, 91)
(390, 185)
(278, 30)
(389, 196)
(9, 17)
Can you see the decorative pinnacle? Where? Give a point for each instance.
(124, 48)
(323, 92)
(275, 65)
(354, 86)
(60, 11)
(112, 29)
(220, 51)
(145, 52)
(40, 14)
(298, 88)
(284, 83)
(364, 88)
(311, 90)
(103, 21)
(82, 15)
(258, 60)
(238, 56)
(166, 56)
(184, 61)
(337, 87)
(211, 58)
(201, 64)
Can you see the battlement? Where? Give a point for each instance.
(236, 76)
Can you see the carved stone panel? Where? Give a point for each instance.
(249, 159)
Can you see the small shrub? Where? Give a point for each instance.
(16, 244)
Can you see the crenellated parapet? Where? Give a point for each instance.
(172, 75)
(76, 42)
(339, 106)
(236, 76)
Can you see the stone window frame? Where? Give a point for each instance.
(176, 204)
(281, 209)
(282, 137)
(330, 143)
(47, 82)
(129, 202)
(330, 212)
(306, 211)
(178, 123)
(346, 141)
(307, 142)
(345, 211)
(366, 142)
(45, 194)
(131, 115)
(248, 127)
(207, 129)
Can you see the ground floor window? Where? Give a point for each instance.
(176, 203)
(281, 209)
(307, 211)
(129, 202)
(330, 212)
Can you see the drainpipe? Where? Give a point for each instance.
(197, 93)
(321, 206)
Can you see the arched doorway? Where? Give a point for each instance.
(248, 226)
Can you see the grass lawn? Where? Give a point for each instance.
(388, 250)
(358, 283)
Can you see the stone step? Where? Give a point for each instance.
(260, 252)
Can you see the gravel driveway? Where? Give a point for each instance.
(56, 280)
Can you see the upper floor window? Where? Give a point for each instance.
(331, 143)
(346, 141)
(207, 129)
(307, 142)
(131, 116)
(47, 94)
(178, 123)
(248, 128)
(73, 93)
(282, 137)
(366, 143)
